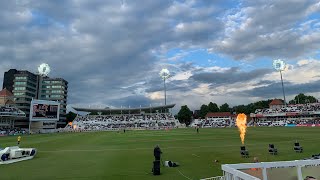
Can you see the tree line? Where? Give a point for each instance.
(185, 115)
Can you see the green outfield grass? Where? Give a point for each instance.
(112, 155)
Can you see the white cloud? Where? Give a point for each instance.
(156, 95)
(202, 89)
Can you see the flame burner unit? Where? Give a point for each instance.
(244, 152)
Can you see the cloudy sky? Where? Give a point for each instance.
(111, 52)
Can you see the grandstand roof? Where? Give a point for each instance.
(219, 114)
(5, 93)
(123, 109)
(276, 102)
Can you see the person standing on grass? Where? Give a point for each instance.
(157, 153)
(19, 139)
(197, 129)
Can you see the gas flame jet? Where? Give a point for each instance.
(242, 125)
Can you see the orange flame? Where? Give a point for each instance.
(242, 125)
(70, 123)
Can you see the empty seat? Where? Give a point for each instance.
(272, 149)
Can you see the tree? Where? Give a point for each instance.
(203, 110)
(303, 99)
(225, 108)
(240, 109)
(262, 104)
(213, 107)
(70, 116)
(184, 115)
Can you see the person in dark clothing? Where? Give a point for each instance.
(157, 153)
(197, 129)
(124, 130)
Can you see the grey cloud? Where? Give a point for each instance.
(98, 46)
(102, 46)
(275, 90)
(133, 101)
(269, 29)
(233, 75)
(264, 82)
(176, 85)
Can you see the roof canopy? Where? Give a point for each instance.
(123, 109)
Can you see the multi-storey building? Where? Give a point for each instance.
(55, 89)
(26, 86)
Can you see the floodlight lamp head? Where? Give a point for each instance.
(279, 65)
(44, 69)
(164, 73)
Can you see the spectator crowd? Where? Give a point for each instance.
(12, 131)
(297, 108)
(10, 111)
(132, 121)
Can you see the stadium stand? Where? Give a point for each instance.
(6, 111)
(125, 121)
(291, 115)
(12, 131)
(8, 115)
(216, 120)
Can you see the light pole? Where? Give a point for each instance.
(165, 74)
(280, 65)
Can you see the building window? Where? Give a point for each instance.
(19, 88)
(20, 77)
(31, 84)
(30, 89)
(29, 94)
(56, 91)
(18, 93)
(20, 83)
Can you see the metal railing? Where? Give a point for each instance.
(214, 178)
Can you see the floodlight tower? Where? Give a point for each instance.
(165, 74)
(44, 69)
(280, 65)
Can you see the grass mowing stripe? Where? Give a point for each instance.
(117, 156)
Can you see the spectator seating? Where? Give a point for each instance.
(215, 123)
(310, 107)
(132, 121)
(297, 115)
(11, 111)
